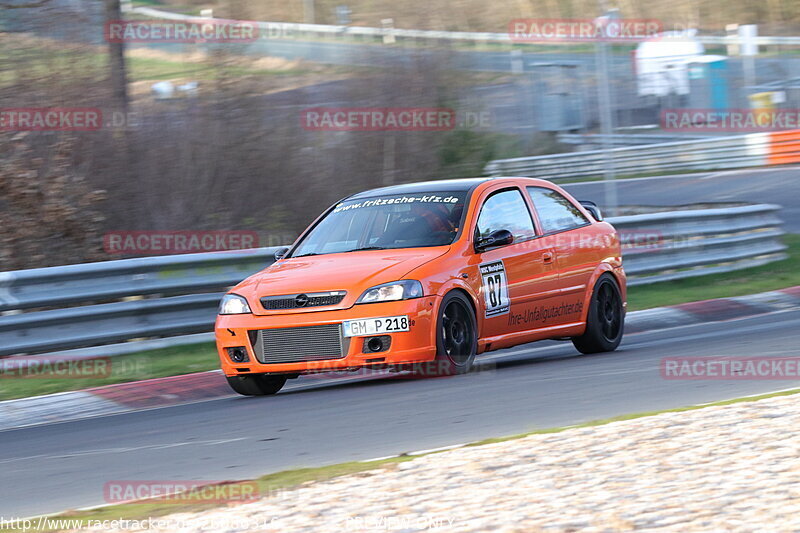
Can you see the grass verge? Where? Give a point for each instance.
(275, 485)
(75, 64)
(151, 69)
(778, 275)
(131, 367)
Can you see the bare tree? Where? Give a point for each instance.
(116, 51)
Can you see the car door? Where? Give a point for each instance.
(515, 277)
(565, 227)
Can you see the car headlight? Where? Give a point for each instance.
(233, 304)
(389, 292)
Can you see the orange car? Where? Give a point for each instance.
(426, 276)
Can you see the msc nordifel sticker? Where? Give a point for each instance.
(495, 288)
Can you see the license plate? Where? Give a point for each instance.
(375, 326)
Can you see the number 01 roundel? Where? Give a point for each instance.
(495, 288)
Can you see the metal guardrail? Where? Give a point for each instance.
(90, 325)
(681, 244)
(715, 153)
(625, 139)
(110, 280)
(172, 296)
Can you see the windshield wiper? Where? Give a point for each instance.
(304, 255)
(368, 248)
(346, 251)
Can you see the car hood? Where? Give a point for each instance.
(353, 272)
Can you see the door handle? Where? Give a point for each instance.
(547, 257)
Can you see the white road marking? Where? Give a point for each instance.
(380, 458)
(439, 449)
(106, 451)
(748, 396)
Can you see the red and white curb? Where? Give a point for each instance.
(203, 386)
(52, 408)
(716, 310)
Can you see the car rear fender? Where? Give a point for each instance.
(602, 268)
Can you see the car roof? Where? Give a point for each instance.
(448, 185)
(445, 185)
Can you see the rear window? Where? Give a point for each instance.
(556, 213)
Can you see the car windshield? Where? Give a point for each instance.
(386, 222)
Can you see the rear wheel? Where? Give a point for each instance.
(605, 320)
(256, 384)
(456, 338)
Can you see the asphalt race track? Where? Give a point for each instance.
(321, 420)
(772, 186)
(51, 468)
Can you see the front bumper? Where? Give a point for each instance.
(413, 346)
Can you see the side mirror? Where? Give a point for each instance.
(593, 209)
(280, 252)
(500, 237)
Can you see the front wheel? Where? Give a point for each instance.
(256, 384)
(605, 319)
(456, 338)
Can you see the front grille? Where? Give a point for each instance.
(296, 345)
(300, 301)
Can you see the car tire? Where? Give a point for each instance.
(605, 320)
(256, 384)
(456, 338)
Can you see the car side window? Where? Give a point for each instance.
(556, 213)
(506, 210)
